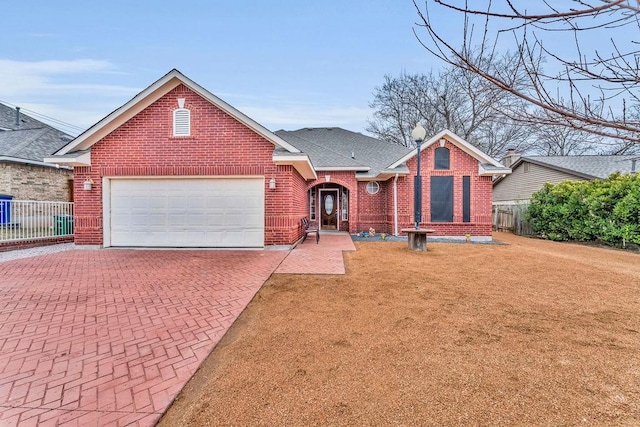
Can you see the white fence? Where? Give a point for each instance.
(28, 219)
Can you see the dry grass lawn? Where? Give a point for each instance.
(529, 333)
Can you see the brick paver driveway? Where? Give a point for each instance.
(109, 337)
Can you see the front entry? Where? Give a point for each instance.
(329, 209)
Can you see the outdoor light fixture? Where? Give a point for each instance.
(88, 184)
(418, 134)
(272, 184)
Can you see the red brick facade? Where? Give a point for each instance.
(377, 210)
(220, 145)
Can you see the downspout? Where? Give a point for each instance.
(395, 205)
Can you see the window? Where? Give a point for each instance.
(312, 204)
(466, 199)
(373, 187)
(441, 199)
(345, 204)
(442, 158)
(181, 122)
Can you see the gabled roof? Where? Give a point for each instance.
(28, 141)
(148, 96)
(586, 166)
(487, 166)
(339, 149)
(370, 158)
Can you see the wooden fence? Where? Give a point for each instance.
(512, 218)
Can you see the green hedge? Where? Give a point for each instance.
(599, 210)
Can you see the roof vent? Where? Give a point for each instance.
(353, 155)
(17, 116)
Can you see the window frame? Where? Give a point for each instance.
(377, 190)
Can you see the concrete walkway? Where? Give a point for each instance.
(324, 257)
(109, 337)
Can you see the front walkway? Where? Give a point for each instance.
(109, 337)
(324, 257)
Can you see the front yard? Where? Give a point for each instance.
(528, 333)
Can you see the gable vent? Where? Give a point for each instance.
(181, 122)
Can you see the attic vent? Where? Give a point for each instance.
(181, 122)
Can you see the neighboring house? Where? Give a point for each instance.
(530, 173)
(176, 166)
(24, 143)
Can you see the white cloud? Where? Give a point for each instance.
(19, 79)
(68, 91)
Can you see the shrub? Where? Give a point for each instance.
(599, 210)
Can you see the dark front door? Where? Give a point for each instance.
(328, 209)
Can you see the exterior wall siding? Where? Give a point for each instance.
(219, 145)
(32, 182)
(519, 186)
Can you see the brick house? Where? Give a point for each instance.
(24, 143)
(176, 166)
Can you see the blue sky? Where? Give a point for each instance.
(287, 64)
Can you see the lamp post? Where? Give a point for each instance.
(418, 135)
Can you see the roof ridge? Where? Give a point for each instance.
(326, 148)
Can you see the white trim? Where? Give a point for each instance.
(301, 162)
(106, 211)
(151, 94)
(484, 172)
(455, 140)
(338, 205)
(83, 159)
(181, 121)
(377, 188)
(30, 162)
(343, 168)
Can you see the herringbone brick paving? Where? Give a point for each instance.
(109, 337)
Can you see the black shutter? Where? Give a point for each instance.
(466, 199)
(441, 199)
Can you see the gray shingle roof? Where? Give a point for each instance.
(588, 166)
(340, 148)
(31, 139)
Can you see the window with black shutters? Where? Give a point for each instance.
(441, 199)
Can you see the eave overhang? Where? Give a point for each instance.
(299, 161)
(75, 159)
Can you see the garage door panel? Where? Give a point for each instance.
(187, 212)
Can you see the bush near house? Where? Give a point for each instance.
(600, 210)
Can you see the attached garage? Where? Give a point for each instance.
(218, 212)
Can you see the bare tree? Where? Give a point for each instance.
(591, 89)
(453, 99)
(551, 140)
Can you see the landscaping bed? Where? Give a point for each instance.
(527, 333)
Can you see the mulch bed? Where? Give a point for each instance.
(527, 333)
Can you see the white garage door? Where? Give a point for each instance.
(215, 212)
